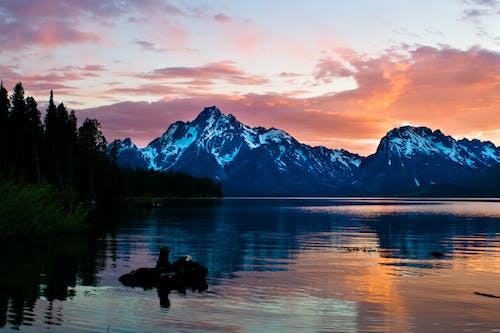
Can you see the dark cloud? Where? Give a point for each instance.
(146, 45)
(222, 18)
(479, 9)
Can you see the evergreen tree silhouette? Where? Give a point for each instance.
(92, 144)
(53, 166)
(34, 134)
(20, 125)
(4, 129)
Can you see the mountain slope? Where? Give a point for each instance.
(482, 184)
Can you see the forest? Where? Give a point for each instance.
(53, 171)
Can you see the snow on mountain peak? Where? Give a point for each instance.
(208, 115)
(123, 144)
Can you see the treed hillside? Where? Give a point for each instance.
(55, 151)
(483, 184)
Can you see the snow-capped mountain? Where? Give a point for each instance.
(128, 154)
(412, 157)
(246, 160)
(259, 161)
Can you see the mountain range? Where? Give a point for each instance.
(255, 161)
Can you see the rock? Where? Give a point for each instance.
(182, 274)
(185, 272)
(141, 277)
(162, 263)
(437, 254)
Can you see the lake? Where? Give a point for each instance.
(275, 265)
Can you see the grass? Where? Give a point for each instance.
(38, 209)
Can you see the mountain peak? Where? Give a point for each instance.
(409, 142)
(210, 112)
(122, 144)
(127, 142)
(406, 131)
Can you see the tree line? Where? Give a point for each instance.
(74, 158)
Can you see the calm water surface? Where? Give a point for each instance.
(275, 265)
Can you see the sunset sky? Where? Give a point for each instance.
(329, 72)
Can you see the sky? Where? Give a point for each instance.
(329, 72)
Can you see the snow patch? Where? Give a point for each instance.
(228, 157)
(274, 135)
(416, 181)
(251, 138)
(490, 153)
(150, 155)
(300, 154)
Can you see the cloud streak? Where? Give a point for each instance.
(205, 75)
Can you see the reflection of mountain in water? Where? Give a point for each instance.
(416, 236)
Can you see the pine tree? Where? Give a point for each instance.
(51, 136)
(71, 139)
(92, 144)
(20, 125)
(4, 128)
(35, 132)
(61, 144)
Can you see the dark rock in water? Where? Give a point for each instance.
(162, 263)
(181, 275)
(184, 273)
(142, 277)
(437, 254)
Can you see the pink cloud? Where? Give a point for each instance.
(94, 68)
(64, 79)
(51, 23)
(328, 69)
(225, 71)
(44, 34)
(147, 89)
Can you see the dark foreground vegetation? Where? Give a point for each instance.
(53, 171)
